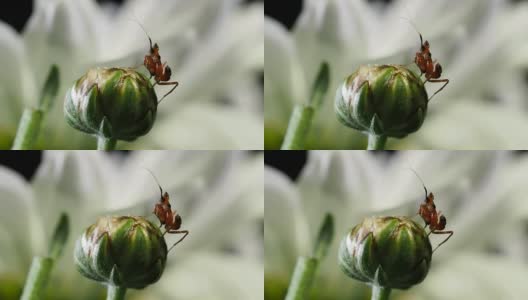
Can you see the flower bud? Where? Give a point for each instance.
(113, 103)
(382, 100)
(127, 252)
(391, 252)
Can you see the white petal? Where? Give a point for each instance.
(512, 180)
(233, 202)
(20, 225)
(208, 126)
(247, 93)
(474, 276)
(282, 70)
(212, 276)
(466, 167)
(250, 241)
(285, 227)
(340, 182)
(331, 31)
(181, 173)
(472, 125)
(17, 86)
(61, 32)
(228, 52)
(74, 182)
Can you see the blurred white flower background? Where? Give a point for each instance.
(481, 193)
(481, 44)
(218, 194)
(214, 47)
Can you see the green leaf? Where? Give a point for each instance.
(320, 85)
(325, 237)
(50, 89)
(60, 237)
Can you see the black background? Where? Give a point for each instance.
(289, 162)
(24, 162)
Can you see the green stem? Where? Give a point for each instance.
(41, 266)
(298, 128)
(31, 121)
(28, 129)
(305, 269)
(380, 293)
(376, 142)
(106, 144)
(115, 293)
(37, 278)
(302, 278)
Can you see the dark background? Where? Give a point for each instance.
(24, 162)
(289, 162)
(17, 14)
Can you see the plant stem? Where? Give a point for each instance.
(106, 144)
(41, 266)
(306, 267)
(298, 127)
(37, 278)
(28, 129)
(31, 121)
(376, 142)
(302, 115)
(302, 278)
(115, 293)
(380, 293)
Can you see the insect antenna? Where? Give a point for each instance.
(157, 182)
(415, 28)
(144, 30)
(420, 178)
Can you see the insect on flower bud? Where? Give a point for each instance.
(128, 252)
(390, 252)
(114, 103)
(382, 100)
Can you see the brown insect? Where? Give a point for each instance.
(433, 218)
(160, 71)
(171, 219)
(431, 69)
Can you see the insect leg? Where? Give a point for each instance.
(184, 232)
(175, 83)
(442, 232)
(438, 80)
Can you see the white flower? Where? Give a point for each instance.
(478, 43)
(213, 48)
(477, 191)
(217, 194)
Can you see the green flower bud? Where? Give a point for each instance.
(127, 252)
(112, 103)
(390, 252)
(382, 100)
